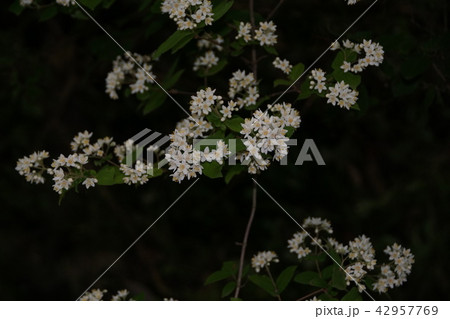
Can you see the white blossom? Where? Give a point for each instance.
(263, 259)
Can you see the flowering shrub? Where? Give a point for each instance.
(244, 130)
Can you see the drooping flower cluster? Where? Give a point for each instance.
(67, 171)
(394, 274)
(243, 89)
(97, 295)
(64, 3)
(350, 2)
(263, 259)
(265, 34)
(209, 59)
(127, 72)
(32, 167)
(137, 174)
(374, 55)
(265, 134)
(202, 103)
(188, 13)
(298, 245)
(358, 256)
(283, 65)
(342, 95)
(317, 80)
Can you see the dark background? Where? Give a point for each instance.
(387, 173)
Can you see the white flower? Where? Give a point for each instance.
(65, 3)
(188, 13)
(297, 245)
(350, 2)
(121, 295)
(342, 95)
(202, 102)
(25, 3)
(125, 70)
(206, 61)
(318, 224)
(266, 33)
(244, 31)
(263, 259)
(283, 65)
(94, 295)
(90, 182)
(243, 89)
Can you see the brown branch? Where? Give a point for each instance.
(312, 294)
(244, 242)
(272, 13)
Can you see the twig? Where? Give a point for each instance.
(272, 13)
(244, 242)
(273, 282)
(312, 294)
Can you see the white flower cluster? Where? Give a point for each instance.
(374, 55)
(97, 295)
(297, 244)
(263, 259)
(32, 167)
(208, 60)
(137, 174)
(283, 65)
(188, 13)
(394, 274)
(265, 34)
(350, 2)
(126, 71)
(64, 3)
(317, 80)
(265, 134)
(202, 103)
(340, 94)
(66, 170)
(358, 256)
(243, 89)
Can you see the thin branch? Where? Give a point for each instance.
(312, 294)
(244, 242)
(272, 13)
(273, 282)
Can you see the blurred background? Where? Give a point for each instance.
(387, 174)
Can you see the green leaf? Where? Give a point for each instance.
(212, 169)
(327, 272)
(352, 295)
(213, 70)
(233, 171)
(91, 4)
(107, 3)
(235, 123)
(305, 91)
(228, 289)
(263, 282)
(271, 50)
(155, 100)
(217, 276)
(279, 82)
(172, 80)
(351, 79)
(48, 13)
(310, 278)
(230, 267)
(109, 175)
(338, 61)
(297, 71)
(182, 43)
(235, 299)
(171, 42)
(338, 278)
(290, 131)
(220, 9)
(16, 8)
(285, 278)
